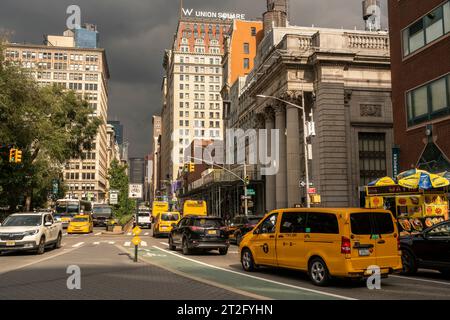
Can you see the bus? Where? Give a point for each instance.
(195, 207)
(67, 209)
(158, 207)
(101, 213)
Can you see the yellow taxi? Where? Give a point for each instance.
(81, 224)
(326, 243)
(164, 222)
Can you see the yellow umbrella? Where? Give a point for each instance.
(382, 182)
(423, 180)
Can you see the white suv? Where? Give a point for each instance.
(30, 231)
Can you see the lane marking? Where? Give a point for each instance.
(419, 279)
(97, 234)
(129, 234)
(164, 243)
(111, 242)
(143, 243)
(64, 234)
(127, 244)
(78, 245)
(257, 278)
(146, 234)
(96, 243)
(201, 280)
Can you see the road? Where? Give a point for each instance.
(108, 272)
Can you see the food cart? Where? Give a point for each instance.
(414, 209)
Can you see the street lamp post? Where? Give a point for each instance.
(305, 146)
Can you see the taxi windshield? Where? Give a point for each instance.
(80, 219)
(170, 217)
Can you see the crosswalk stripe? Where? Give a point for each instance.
(143, 244)
(99, 233)
(64, 234)
(146, 234)
(127, 244)
(129, 234)
(78, 245)
(164, 243)
(111, 242)
(96, 243)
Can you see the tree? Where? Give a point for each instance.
(118, 180)
(50, 125)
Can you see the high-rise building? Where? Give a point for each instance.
(136, 169)
(192, 106)
(156, 156)
(85, 71)
(420, 55)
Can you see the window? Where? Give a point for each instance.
(360, 223)
(429, 28)
(253, 32)
(372, 157)
(246, 48)
(246, 63)
(441, 231)
(322, 223)
(429, 101)
(293, 222)
(269, 224)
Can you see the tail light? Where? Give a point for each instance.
(197, 229)
(346, 245)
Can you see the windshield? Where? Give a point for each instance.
(80, 219)
(67, 209)
(170, 217)
(208, 223)
(102, 210)
(22, 221)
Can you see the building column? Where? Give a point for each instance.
(293, 155)
(281, 180)
(270, 179)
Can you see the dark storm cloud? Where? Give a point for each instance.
(135, 34)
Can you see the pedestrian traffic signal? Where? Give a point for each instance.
(12, 155)
(191, 167)
(18, 156)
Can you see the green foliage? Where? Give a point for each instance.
(118, 180)
(48, 124)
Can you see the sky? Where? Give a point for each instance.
(135, 34)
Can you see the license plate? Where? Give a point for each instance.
(10, 243)
(364, 252)
(212, 232)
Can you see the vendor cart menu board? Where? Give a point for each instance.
(397, 190)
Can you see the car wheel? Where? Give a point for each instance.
(185, 247)
(318, 272)
(223, 251)
(58, 242)
(171, 245)
(247, 261)
(41, 247)
(408, 262)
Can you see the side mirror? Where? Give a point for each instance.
(47, 224)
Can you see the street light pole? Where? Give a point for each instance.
(305, 146)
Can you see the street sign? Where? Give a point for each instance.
(135, 191)
(137, 231)
(302, 184)
(251, 192)
(246, 197)
(113, 197)
(136, 240)
(55, 186)
(312, 190)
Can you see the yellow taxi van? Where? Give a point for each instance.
(164, 222)
(325, 243)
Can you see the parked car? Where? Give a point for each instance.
(164, 222)
(325, 242)
(240, 225)
(429, 249)
(199, 232)
(30, 231)
(81, 224)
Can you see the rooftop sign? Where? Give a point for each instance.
(210, 14)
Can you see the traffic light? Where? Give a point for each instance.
(191, 167)
(12, 155)
(186, 167)
(18, 156)
(247, 180)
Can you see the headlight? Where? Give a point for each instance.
(31, 233)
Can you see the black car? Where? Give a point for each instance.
(240, 226)
(199, 232)
(429, 249)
